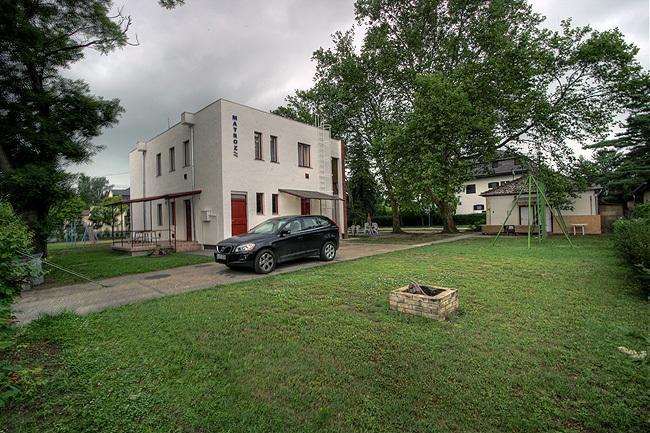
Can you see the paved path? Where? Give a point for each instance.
(127, 289)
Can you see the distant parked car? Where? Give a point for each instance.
(279, 240)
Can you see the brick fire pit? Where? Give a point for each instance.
(440, 306)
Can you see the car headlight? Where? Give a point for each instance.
(244, 248)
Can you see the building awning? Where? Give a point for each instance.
(157, 197)
(312, 195)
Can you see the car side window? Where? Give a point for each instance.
(293, 226)
(309, 223)
(322, 222)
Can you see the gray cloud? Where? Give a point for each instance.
(253, 52)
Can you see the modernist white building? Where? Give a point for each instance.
(227, 168)
(486, 177)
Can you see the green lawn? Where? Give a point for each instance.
(533, 348)
(99, 261)
(413, 238)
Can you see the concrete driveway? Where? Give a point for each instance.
(127, 289)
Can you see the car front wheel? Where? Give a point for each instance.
(328, 251)
(265, 262)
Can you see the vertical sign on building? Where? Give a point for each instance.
(235, 147)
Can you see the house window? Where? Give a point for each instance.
(335, 176)
(470, 189)
(258, 145)
(274, 204)
(159, 214)
(172, 159)
(479, 207)
(173, 212)
(492, 185)
(274, 148)
(158, 164)
(187, 158)
(260, 203)
(304, 155)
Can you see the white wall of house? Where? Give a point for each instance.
(218, 173)
(470, 203)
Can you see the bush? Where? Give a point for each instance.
(642, 211)
(422, 220)
(632, 238)
(14, 237)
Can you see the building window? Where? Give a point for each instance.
(260, 203)
(304, 155)
(158, 164)
(335, 176)
(274, 148)
(274, 204)
(160, 214)
(258, 145)
(492, 185)
(187, 158)
(470, 189)
(172, 159)
(479, 207)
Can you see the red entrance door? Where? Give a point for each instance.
(239, 222)
(188, 220)
(305, 206)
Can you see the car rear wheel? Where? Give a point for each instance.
(328, 251)
(265, 262)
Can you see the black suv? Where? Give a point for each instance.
(279, 240)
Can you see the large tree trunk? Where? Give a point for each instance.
(395, 208)
(447, 214)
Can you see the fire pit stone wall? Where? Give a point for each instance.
(436, 307)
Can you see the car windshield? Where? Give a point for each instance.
(269, 226)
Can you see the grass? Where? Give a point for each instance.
(99, 261)
(412, 238)
(533, 348)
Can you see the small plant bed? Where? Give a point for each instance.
(419, 300)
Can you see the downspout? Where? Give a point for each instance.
(193, 182)
(144, 189)
(344, 192)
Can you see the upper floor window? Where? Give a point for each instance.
(258, 145)
(259, 203)
(492, 185)
(274, 204)
(479, 207)
(158, 164)
(187, 157)
(274, 148)
(470, 189)
(304, 155)
(172, 159)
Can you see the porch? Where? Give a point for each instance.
(141, 237)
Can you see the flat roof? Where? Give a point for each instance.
(157, 197)
(315, 195)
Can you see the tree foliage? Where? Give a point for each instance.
(512, 85)
(46, 120)
(92, 190)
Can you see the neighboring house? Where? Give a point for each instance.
(226, 168)
(486, 176)
(121, 220)
(640, 195)
(500, 200)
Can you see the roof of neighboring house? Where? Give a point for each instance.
(125, 193)
(514, 187)
(509, 188)
(641, 188)
(501, 166)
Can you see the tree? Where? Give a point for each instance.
(92, 190)
(46, 120)
(526, 88)
(104, 214)
(67, 210)
(623, 163)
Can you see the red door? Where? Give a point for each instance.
(188, 220)
(305, 206)
(239, 222)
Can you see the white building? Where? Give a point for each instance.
(227, 168)
(487, 176)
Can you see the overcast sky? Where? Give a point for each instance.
(253, 52)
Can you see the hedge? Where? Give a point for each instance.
(632, 239)
(410, 220)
